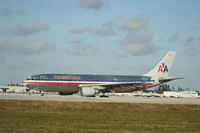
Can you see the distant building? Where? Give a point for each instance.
(13, 89)
(183, 94)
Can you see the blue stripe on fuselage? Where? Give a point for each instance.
(93, 78)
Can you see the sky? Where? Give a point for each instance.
(126, 37)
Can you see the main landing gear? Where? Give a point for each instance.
(41, 93)
(103, 95)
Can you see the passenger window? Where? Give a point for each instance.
(42, 77)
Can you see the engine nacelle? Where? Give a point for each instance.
(88, 91)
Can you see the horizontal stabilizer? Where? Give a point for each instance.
(163, 80)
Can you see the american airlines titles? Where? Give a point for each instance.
(66, 77)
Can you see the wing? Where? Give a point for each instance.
(117, 87)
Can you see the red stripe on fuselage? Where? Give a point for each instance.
(59, 83)
(147, 84)
(73, 83)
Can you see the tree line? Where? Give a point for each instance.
(166, 87)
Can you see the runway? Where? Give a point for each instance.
(111, 99)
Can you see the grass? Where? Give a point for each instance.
(81, 117)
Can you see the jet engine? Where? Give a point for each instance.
(88, 91)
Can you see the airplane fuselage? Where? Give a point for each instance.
(70, 83)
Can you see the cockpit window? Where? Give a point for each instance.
(29, 78)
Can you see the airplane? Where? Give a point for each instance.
(92, 84)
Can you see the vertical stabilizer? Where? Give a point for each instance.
(163, 68)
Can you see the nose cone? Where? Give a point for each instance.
(24, 83)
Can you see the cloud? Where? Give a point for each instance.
(9, 12)
(191, 52)
(106, 29)
(92, 4)
(139, 44)
(135, 23)
(25, 48)
(80, 30)
(175, 37)
(195, 28)
(82, 48)
(189, 40)
(186, 41)
(30, 48)
(2, 46)
(13, 63)
(27, 29)
(121, 54)
(98, 31)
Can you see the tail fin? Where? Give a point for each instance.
(163, 68)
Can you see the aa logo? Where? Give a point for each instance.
(163, 68)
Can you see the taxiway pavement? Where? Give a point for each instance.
(110, 99)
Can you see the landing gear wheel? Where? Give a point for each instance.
(42, 94)
(104, 96)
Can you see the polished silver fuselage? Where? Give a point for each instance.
(70, 83)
